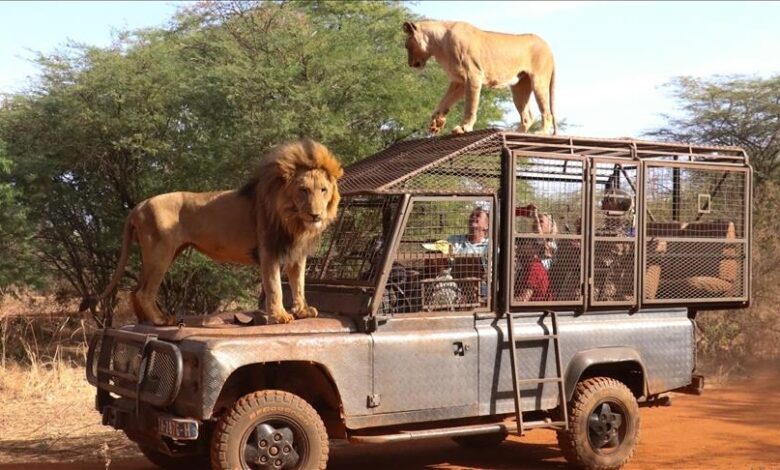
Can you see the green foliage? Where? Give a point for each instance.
(731, 110)
(191, 107)
(17, 263)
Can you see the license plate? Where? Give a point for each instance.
(177, 428)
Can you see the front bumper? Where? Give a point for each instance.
(137, 376)
(142, 427)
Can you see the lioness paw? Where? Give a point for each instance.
(437, 124)
(281, 316)
(458, 130)
(305, 312)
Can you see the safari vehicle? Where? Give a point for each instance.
(419, 339)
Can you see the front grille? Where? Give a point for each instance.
(135, 366)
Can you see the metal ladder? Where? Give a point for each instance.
(517, 382)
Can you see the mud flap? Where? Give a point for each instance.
(696, 387)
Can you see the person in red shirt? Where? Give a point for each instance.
(533, 282)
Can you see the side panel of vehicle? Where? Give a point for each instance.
(424, 364)
(656, 344)
(345, 358)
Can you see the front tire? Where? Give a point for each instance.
(603, 425)
(271, 429)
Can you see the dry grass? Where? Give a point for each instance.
(43, 384)
(47, 415)
(46, 405)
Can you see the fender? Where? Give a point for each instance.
(581, 361)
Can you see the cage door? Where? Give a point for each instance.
(612, 278)
(547, 237)
(696, 233)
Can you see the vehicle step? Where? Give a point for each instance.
(544, 424)
(469, 430)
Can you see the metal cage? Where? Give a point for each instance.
(597, 223)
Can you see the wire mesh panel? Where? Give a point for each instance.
(389, 169)
(695, 233)
(547, 231)
(476, 171)
(444, 257)
(352, 247)
(613, 250)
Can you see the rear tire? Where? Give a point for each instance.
(480, 441)
(603, 425)
(267, 428)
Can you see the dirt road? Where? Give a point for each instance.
(731, 427)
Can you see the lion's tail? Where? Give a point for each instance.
(552, 101)
(127, 238)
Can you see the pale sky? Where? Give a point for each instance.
(611, 57)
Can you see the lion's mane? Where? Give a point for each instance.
(280, 226)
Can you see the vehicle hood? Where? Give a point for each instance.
(246, 324)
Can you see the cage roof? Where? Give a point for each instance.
(403, 160)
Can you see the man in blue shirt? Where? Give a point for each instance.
(446, 292)
(476, 241)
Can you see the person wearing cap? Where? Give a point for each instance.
(618, 215)
(614, 266)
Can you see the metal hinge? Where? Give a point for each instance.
(370, 323)
(373, 400)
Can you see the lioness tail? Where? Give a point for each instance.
(552, 101)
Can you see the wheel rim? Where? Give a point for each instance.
(607, 426)
(274, 443)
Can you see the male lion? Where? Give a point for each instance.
(279, 215)
(472, 58)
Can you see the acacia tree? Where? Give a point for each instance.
(17, 264)
(190, 107)
(729, 110)
(744, 112)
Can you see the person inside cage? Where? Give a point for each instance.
(474, 242)
(566, 272)
(618, 214)
(543, 224)
(614, 278)
(532, 283)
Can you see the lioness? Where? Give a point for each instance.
(472, 58)
(279, 215)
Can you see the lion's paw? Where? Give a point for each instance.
(305, 312)
(281, 316)
(458, 130)
(437, 124)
